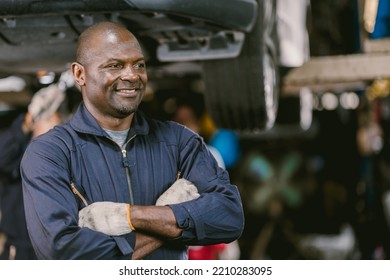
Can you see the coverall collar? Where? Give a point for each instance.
(84, 122)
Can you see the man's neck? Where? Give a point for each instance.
(116, 124)
(106, 121)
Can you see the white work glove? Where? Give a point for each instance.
(111, 218)
(46, 101)
(181, 191)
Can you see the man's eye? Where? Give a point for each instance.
(140, 66)
(114, 66)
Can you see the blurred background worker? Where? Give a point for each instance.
(42, 115)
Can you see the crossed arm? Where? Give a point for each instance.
(153, 224)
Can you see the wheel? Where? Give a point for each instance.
(242, 93)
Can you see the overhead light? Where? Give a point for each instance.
(349, 100)
(46, 78)
(329, 101)
(12, 83)
(306, 104)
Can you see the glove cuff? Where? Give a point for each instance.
(129, 217)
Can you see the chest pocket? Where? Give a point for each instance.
(79, 195)
(77, 189)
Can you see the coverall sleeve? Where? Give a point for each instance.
(217, 215)
(52, 209)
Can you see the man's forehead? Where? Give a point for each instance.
(117, 37)
(111, 38)
(114, 44)
(109, 42)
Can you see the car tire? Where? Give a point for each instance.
(242, 93)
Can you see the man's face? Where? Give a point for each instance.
(115, 76)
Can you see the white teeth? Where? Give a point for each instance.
(127, 90)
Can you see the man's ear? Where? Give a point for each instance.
(78, 73)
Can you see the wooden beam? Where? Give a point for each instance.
(330, 71)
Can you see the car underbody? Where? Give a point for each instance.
(226, 38)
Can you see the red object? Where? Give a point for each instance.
(210, 252)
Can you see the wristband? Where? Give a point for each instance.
(129, 218)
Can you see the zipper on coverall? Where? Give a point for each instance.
(126, 166)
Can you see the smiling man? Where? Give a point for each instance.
(113, 65)
(106, 184)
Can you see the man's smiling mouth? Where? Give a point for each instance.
(128, 91)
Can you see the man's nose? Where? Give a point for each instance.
(129, 74)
